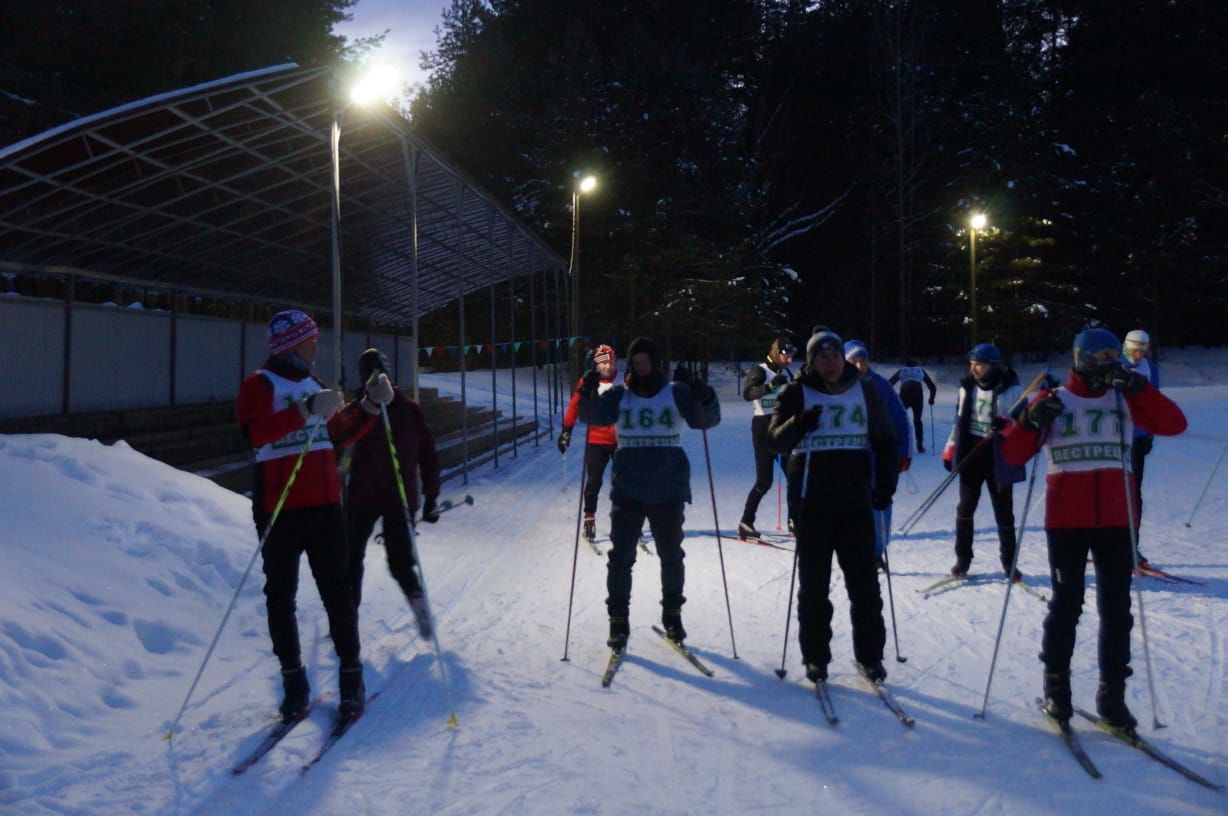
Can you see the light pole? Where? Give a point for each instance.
(585, 185)
(977, 222)
(377, 83)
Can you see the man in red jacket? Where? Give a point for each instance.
(602, 439)
(1085, 428)
(372, 490)
(281, 405)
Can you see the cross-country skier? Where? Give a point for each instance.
(372, 492)
(763, 382)
(1137, 350)
(279, 405)
(601, 438)
(985, 396)
(910, 377)
(857, 353)
(1082, 428)
(651, 477)
(843, 465)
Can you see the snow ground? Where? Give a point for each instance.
(117, 571)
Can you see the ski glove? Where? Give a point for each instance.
(322, 404)
(931, 400)
(880, 500)
(379, 392)
(588, 384)
(809, 418)
(681, 374)
(1125, 380)
(946, 463)
(905, 463)
(999, 423)
(1042, 413)
(430, 511)
(780, 379)
(704, 394)
(564, 440)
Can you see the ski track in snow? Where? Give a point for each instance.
(111, 606)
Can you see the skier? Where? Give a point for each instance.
(843, 465)
(985, 395)
(601, 439)
(857, 353)
(763, 382)
(651, 477)
(372, 492)
(910, 378)
(279, 405)
(1086, 508)
(1137, 350)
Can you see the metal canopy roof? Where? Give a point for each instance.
(226, 186)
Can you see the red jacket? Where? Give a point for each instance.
(597, 434)
(317, 482)
(1093, 498)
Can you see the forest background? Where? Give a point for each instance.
(771, 164)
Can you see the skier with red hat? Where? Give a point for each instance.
(602, 439)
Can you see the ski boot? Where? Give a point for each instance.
(620, 630)
(1057, 696)
(417, 602)
(816, 672)
(873, 670)
(1111, 705)
(353, 692)
(297, 695)
(747, 531)
(671, 621)
(590, 527)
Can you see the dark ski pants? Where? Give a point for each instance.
(626, 523)
(317, 531)
(1138, 459)
(1110, 551)
(914, 401)
(765, 463)
(978, 471)
(359, 522)
(850, 536)
(596, 457)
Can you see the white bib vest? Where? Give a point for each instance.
(912, 374)
(649, 422)
(767, 403)
(983, 412)
(843, 423)
(1088, 434)
(286, 393)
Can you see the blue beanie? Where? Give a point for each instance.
(855, 348)
(985, 353)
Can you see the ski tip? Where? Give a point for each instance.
(468, 499)
(452, 721)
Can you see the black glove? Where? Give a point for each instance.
(946, 463)
(430, 511)
(931, 399)
(564, 440)
(1041, 414)
(703, 393)
(780, 379)
(1126, 380)
(810, 418)
(1143, 444)
(880, 500)
(681, 374)
(999, 423)
(588, 384)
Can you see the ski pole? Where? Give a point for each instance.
(778, 491)
(1202, 495)
(784, 650)
(413, 551)
(717, 524)
(1023, 521)
(933, 437)
(285, 491)
(1138, 590)
(575, 553)
(883, 533)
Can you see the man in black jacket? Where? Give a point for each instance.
(763, 382)
(829, 421)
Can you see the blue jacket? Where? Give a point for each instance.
(899, 414)
(1153, 374)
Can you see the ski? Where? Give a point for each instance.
(274, 736)
(1071, 739)
(945, 581)
(763, 542)
(829, 711)
(592, 542)
(616, 660)
(339, 729)
(1131, 737)
(686, 653)
(644, 547)
(1167, 577)
(888, 700)
(1034, 592)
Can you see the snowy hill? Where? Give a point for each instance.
(117, 571)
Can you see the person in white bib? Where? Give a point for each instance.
(763, 383)
(651, 476)
(1083, 427)
(1137, 351)
(843, 465)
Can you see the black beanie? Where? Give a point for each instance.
(646, 346)
(372, 360)
(823, 339)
